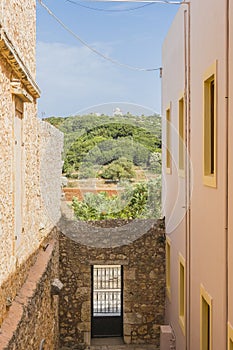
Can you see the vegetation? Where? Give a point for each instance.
(119, 169)
(137, 201)
(113, 149)
(101, 140)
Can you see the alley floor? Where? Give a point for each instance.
(117, 344)
(122, 347)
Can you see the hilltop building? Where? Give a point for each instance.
(198, 187)
(117, 112)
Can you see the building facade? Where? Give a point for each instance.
(25, 226)
(198, 181)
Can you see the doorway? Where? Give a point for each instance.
(107, 301)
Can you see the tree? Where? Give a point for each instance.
(83, 133)
(119, 169)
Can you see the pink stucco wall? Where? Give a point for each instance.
(208, 205)
(173, 189)
(230, 249)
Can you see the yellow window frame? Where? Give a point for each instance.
(182, 293)
(181, 121)
(205, 300)
(168, 267)
(209, 135)
(168, 141)
(230, 336)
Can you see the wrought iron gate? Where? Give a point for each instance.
(107, 301)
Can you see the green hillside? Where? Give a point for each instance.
(94, 141)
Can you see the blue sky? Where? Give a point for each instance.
(74, 80)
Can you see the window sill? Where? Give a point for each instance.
(182, 323)
(210, 181)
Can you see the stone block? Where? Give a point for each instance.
(84, 326)
(130, 274)
(133, 318)
(127, 339)
(86, 311)
(143, 330)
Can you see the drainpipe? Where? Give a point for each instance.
(227, 158)
(187, 37)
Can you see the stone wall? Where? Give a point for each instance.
(32, 317)
(25, 222)
(143, 263)
(51, 147)
(18, 19)
(17, 45)
(37, 218)
(12, 255)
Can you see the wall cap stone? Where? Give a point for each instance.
(9, 52)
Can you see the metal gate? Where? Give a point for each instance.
(107, 297)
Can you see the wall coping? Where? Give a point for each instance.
(9, 52)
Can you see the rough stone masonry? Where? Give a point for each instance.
(143, 262)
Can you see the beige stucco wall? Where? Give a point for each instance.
(208, 205)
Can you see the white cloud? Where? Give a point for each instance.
(73, 78)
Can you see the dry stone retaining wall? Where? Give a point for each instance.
(143, 263)
(33, 316)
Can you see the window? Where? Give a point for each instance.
(168, 267)
(168, 135)
(210, 127)
(181, 137)
(230, 337)
(206, 320)
(107, 284)
(182, 292)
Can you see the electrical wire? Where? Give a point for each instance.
(108, 10)
(93, 49)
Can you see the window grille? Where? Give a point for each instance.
(107, 290)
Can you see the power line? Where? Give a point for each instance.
(108, 10)
(93, 49)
